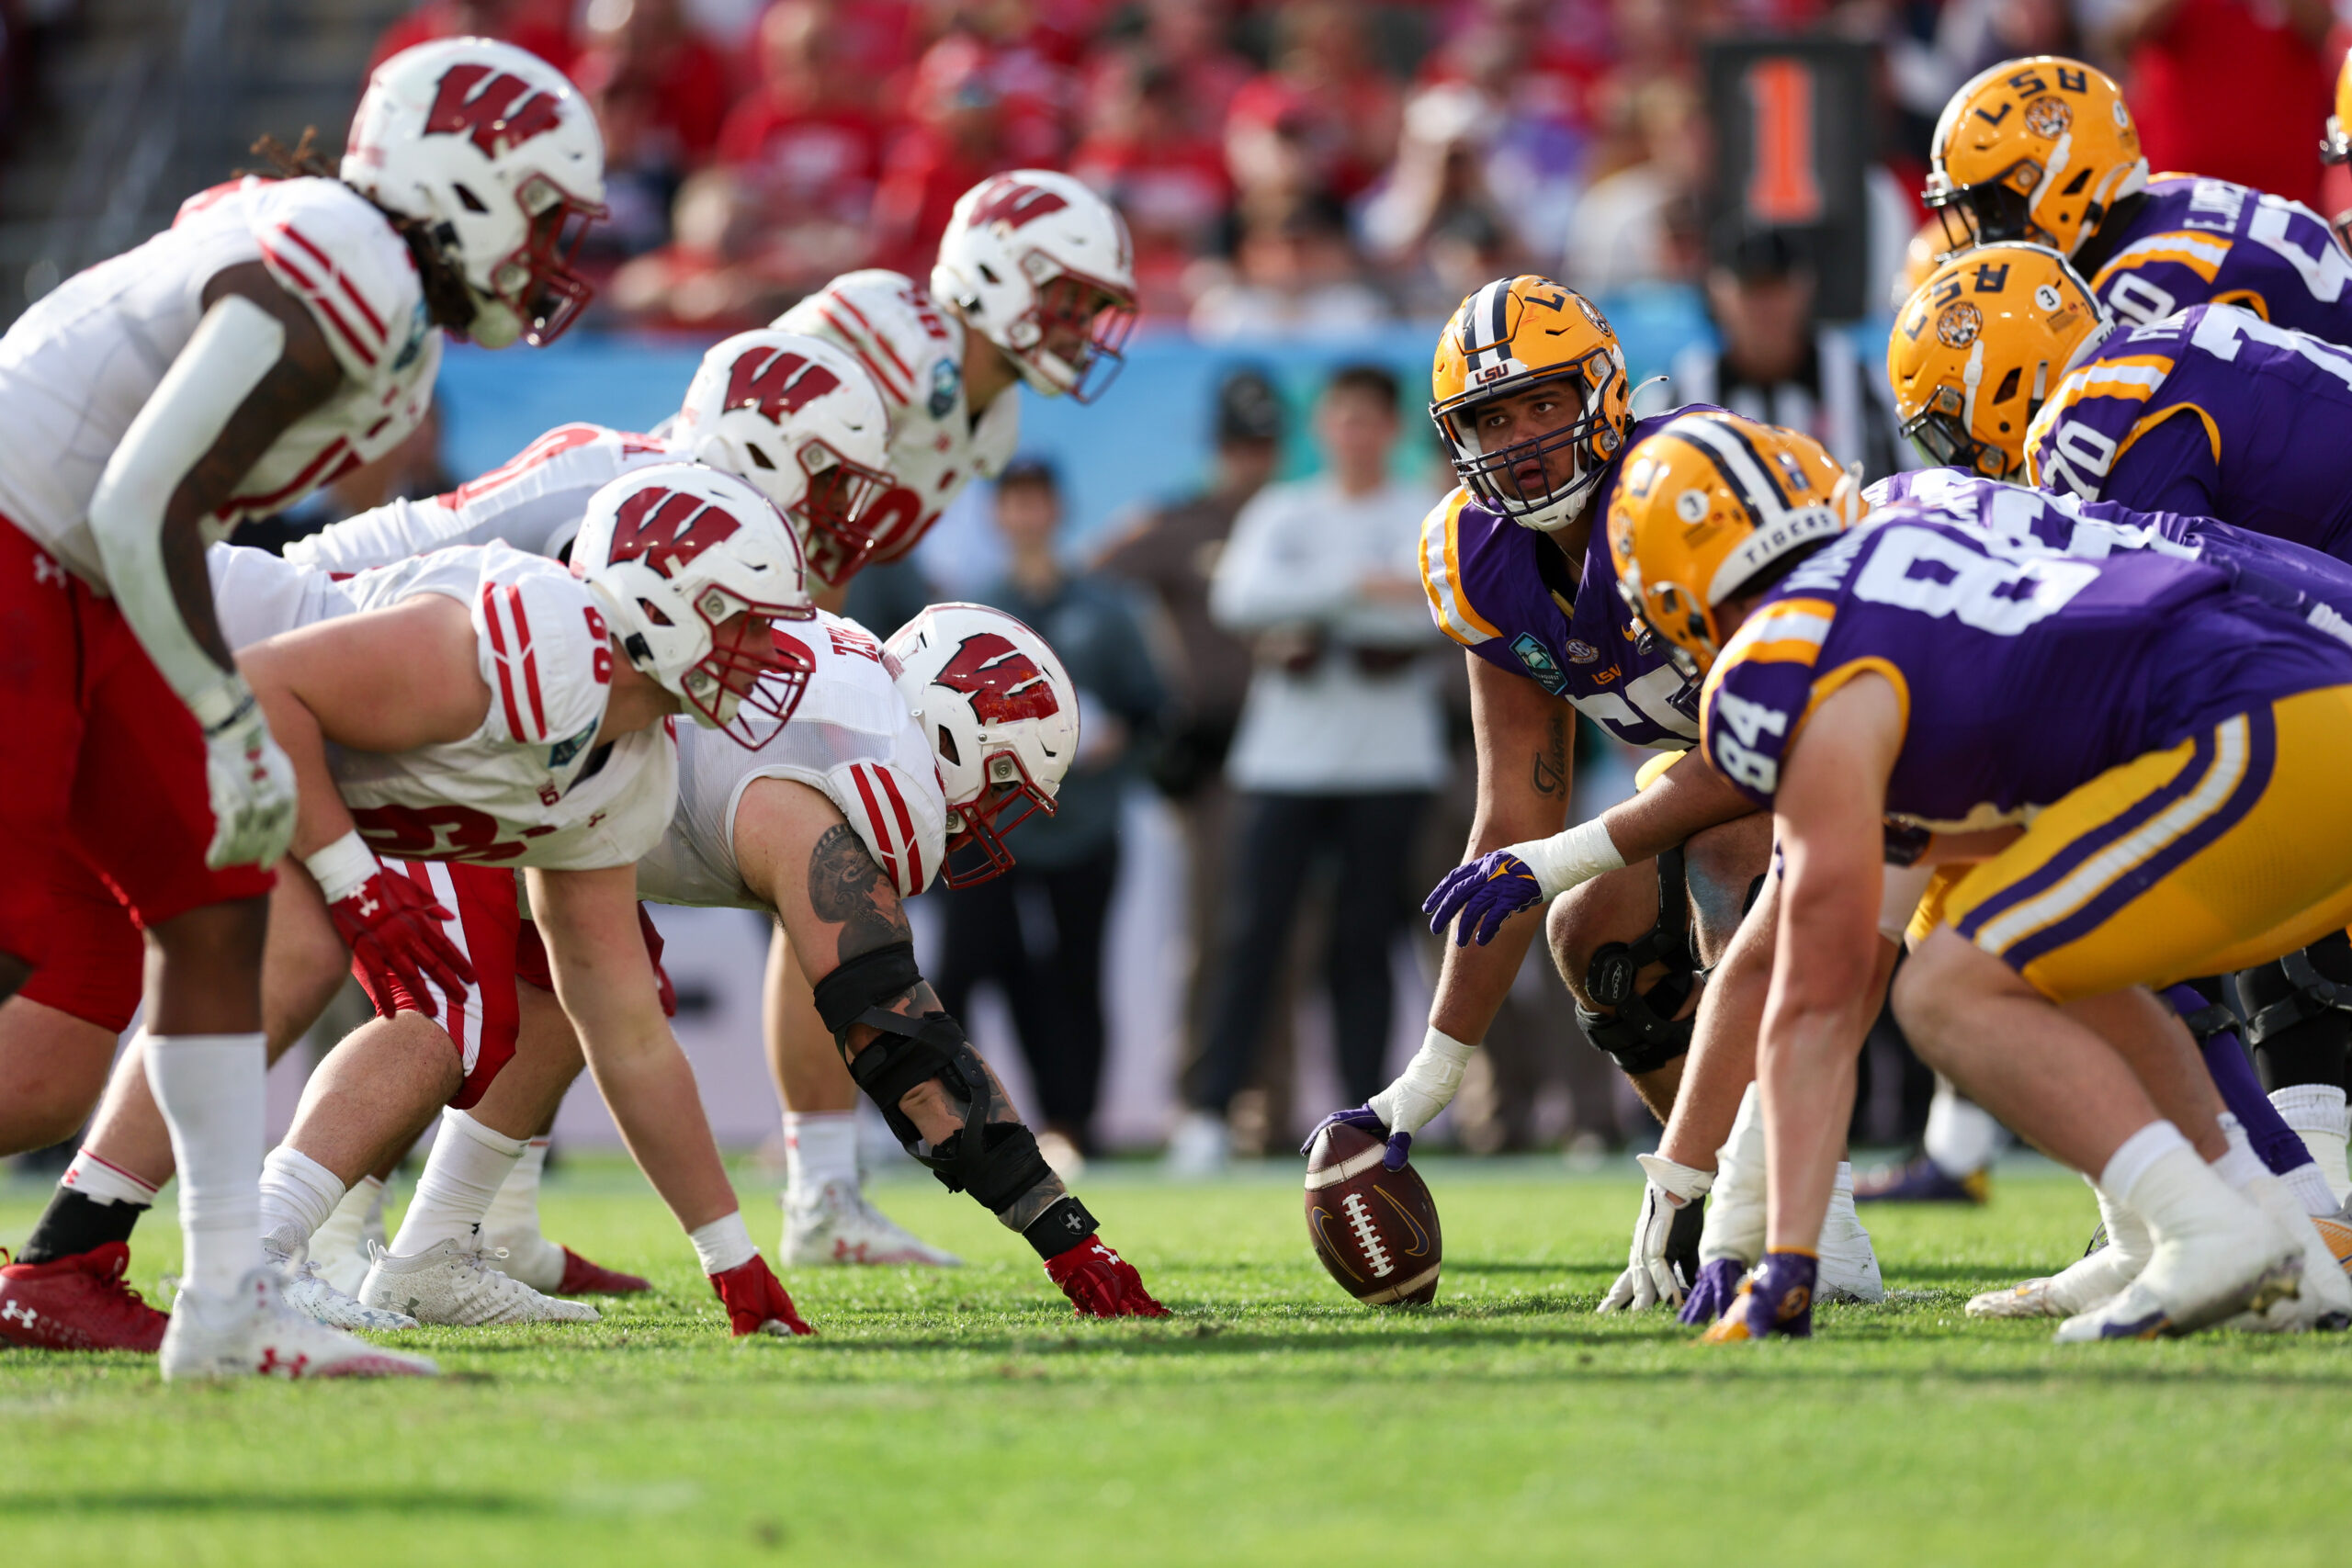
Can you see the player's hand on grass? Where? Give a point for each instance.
(392, 925)
(248, 778)
(1715, 1289)
(1665, 1254)
(1101, 1283)
(756, 1302)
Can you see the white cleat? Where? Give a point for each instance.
(840, 1226)
(452, 1283)
(1848, 1266)
(2324, 1302)
(2083, 1285)
(2194, 1282)
(310, 1292)
(258, 1333)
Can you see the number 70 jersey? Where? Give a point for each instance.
(2021, 673)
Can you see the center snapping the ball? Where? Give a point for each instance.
(1375, 1229)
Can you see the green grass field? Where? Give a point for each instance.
(966, 1418)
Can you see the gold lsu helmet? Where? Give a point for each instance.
(1976, 351)
(2036, 149)
(1706, 504)
(1512, 336)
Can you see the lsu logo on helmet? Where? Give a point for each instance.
(2039, 149)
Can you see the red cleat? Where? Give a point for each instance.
(756, 1303)
(78, 1303)
(582, 1278)
(1101, 1283)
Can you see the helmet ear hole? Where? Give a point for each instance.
(2009, 387)
(653, 613)
(988, 275)
(759, 454)
(948, 747)
(472, 203)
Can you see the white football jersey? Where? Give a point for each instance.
(533, 502)
(851, 740)
(530, 787)
(77, 368)
(914, 351)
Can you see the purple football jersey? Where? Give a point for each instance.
(2199, 241)
(2023, 672)
(1507, 593)
(2213, 413)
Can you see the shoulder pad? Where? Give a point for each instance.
(326, 246)
(543, 648)
(889, 321)
(901, 818)
(1441, 551)
(1755, 697)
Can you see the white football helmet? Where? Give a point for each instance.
(488, 145)
(1041, 267)
(805, 424)
(674, 552)
(1002, 716)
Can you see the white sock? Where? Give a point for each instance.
(102, 1183)
(2311, 1191)
(2126, 1233)
(2134, 1156)
(461, 1175)
(2316, 1114)
(515, 1210)
(209, 1088)
(818, 1147)
(2165, 1182)
(297, 1193)
(723, 1243)
(1962, 1137)
(2239, 1164)
(341, 1231)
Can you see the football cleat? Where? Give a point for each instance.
(1848, 1262)
(756, 1302)
(556, 1270)
(2324, 1300)
(2083, 1285)
(77, 1303)
(310, 1293)
(839, 1226)
(2192, 1283)
(453, 1283)
(256, 1333)
(1922, 1180)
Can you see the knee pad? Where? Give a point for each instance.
(1640, 1029)
(2303, 986)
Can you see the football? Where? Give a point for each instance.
(1375, 1229)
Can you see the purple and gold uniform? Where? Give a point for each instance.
(2213, 412)
(2174, 745)
(2192, 240)
(1508, 594)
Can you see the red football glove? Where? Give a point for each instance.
(755, 1300)
(1101, 1283)
(393, 929)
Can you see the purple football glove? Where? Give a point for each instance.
(1716, 1288)
(1364, 1120)
(1485, 893)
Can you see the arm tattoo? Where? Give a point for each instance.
(1552, 762)
(846, 890)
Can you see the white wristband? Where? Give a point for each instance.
(343, 867)
(1425, 1086)
(1570, 859)
(222, 704)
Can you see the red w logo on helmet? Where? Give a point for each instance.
(668, 528)
(1012, 203)
(1004, 682)
(506, 112)
(777, 383)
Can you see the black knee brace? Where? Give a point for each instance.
(2295, 1009)
(996, 1161)
(1640, 1029)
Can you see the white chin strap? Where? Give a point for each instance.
(496, 324)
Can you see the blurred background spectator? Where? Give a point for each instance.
(1171, 553)
(1037, 930)
(1341, 739)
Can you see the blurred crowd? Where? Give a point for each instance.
(1297, 164)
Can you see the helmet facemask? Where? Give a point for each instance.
(1940, 433)
(1090, 318)
(976, 829)
(1588, 440)
(835, 495)
(533, 293)
(751, 679)
(1989, 212)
